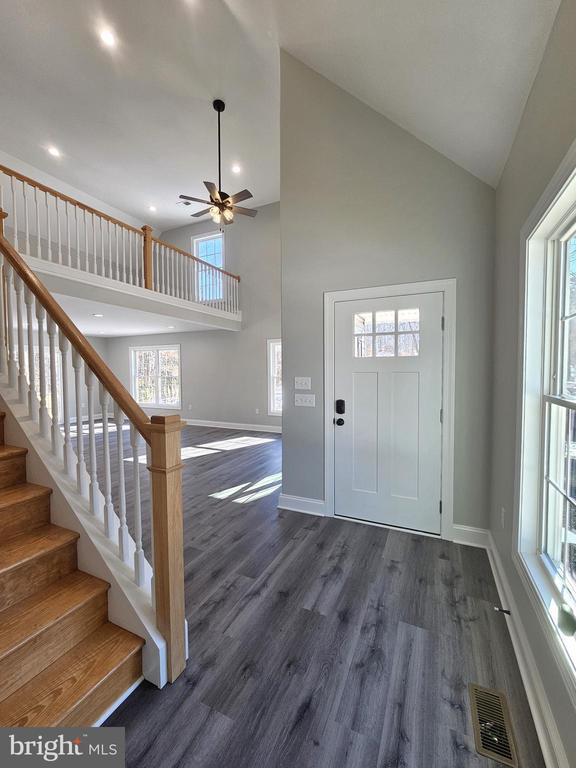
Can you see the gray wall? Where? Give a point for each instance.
(365, 204)
(224, 373)
(545, 134)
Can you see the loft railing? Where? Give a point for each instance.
(54, 227)
(42, 352)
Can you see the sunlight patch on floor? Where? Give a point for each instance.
(234, 443)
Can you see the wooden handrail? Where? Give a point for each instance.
(195, 258)
(67, 199)
(79, 342)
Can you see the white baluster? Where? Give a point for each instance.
(95, 269)
(175, 261)
(173, 273)
(26, 220)
(117, 252)
(123, 533)
(92, 458)
(139, 559)
(123, 273)
(32, 399)
(14, 211)
(103, 272)
(86, 255)
(77, 231)
(48, 226)
(64, 345)
(81, 478)
(58, 230)
(38, 235)
(12, 366)
(69, 246)
(43, 416)
(3, 353)
(109, 516)
(110, 263)
(130, 239)
(22, 383)
(55, 428)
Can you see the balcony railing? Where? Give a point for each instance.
(48, 225)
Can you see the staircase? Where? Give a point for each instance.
(62, 663)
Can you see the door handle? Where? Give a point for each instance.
(341, 406)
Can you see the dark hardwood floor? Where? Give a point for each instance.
(319, 643)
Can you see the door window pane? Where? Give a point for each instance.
(385, 322)
(363, 322)
(408, 344)
(408, 319)
(363, 346)
(385, 345)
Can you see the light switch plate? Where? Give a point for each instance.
(302, 382)
(306, 400)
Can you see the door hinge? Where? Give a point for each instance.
(442, 322)
(441, 415)
(440, 506)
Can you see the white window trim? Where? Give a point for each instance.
(269, 346)
(156, 347)
(545, 225)
(209, 236)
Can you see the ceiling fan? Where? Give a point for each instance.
(222, 206)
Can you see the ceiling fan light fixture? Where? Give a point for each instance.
(228, 214)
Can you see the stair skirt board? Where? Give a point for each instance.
(62, 663)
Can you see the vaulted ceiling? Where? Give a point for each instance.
(134, 122)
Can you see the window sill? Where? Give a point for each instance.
(159, 406)
(546, 598)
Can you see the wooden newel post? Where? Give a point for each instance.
(168, 537)
(147, 255)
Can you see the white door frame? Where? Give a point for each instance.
(448, 288)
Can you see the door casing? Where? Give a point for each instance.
(448, 288)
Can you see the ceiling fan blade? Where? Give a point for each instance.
(244, 211)
(212, 190)
(239, 196)
(203, 212)
(195, 199)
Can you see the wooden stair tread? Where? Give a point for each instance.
(22, 492)
(49, 697)
(26, 546)
(11, 452)
(26, 619)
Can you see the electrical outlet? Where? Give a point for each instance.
(502, 517)
(257, 411)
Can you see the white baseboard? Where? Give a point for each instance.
(550, 742)
(474, 537)
(234, 425)
(114, 706)
(301, 504)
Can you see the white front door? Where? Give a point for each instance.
(387, 410)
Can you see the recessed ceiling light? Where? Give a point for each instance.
(170, 327)
(97, 314)
(236, 168)
(108, 37)
(54, 151)
(152, 208)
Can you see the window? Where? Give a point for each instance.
(274, 377)
(558, 452)
(155, 376)
(387, 333)
(544, 514)
(210, 249)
